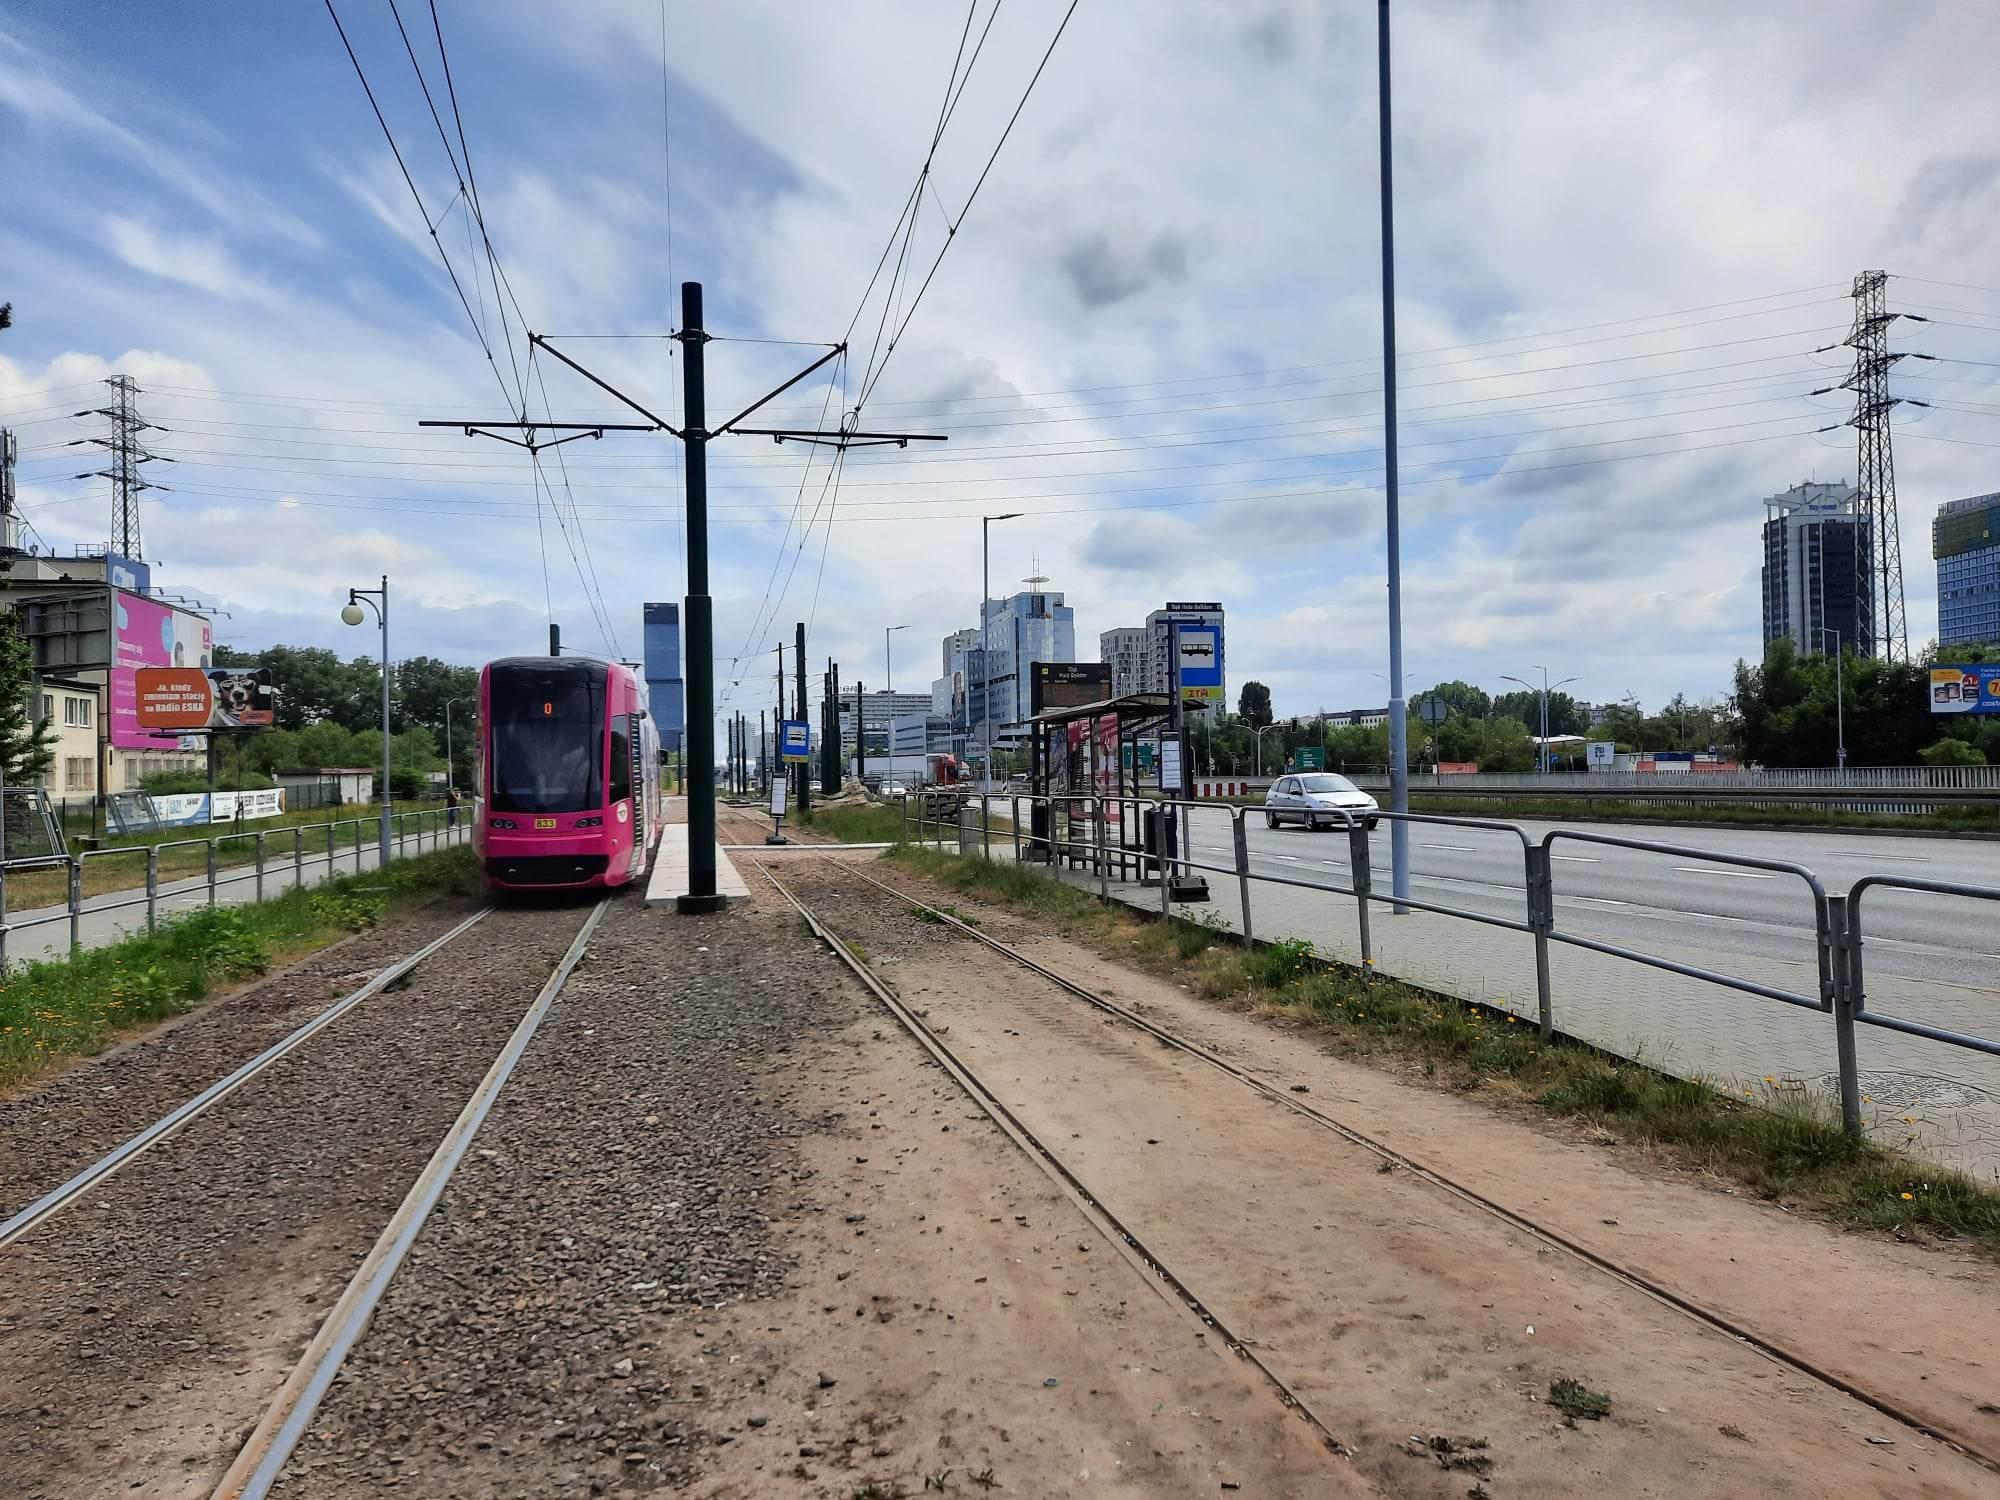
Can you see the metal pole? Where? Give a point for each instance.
(701, 893)
(447, 745)
(799, 706)
(1399, 733)
(1361, 876)
(1103, 858)
(985, 657)
(386, 793)
(211, 869)
(1540, 883)
(298, 855)
(259, 847)
(75, 904)
(152, 889)
(1240, 836)
(1840, 940)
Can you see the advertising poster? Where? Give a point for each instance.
(1106, 777)
(147, 634)
(1965, 690)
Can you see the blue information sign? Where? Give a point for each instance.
(794, 740)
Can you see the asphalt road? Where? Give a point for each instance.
(1636, 897)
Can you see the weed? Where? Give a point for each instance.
(1575, 1399)
(1275, 965)
(925, 914)
(348, 911)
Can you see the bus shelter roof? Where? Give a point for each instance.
(1135, 707)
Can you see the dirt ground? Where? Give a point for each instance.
(1401, 1311)
(732, 1233)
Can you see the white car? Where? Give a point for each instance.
(1317, 799)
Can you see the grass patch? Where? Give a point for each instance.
(77, 1006)
(871, 823)
(1778, 1142)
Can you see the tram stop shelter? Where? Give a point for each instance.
(1092, 750)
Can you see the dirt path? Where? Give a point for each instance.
(1396, 1309)
(143, 1328)
(730, 1232)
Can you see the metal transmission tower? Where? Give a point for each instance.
(10, 520)
(127, 452)
(1879, 596)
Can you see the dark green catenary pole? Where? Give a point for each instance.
(799, 702)
(701, 894)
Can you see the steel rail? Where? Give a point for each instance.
(52, 1203)
(1150, 1266)
(1708, 1317)
(270, 1446)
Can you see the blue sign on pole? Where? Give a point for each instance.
(794, 740)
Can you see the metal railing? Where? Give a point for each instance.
(408, 831)
(1810, 778)
(1152, 845)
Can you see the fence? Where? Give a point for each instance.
(1822, 778)
(330, 849)
(1128, 839)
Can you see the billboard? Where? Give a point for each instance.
(189, 698)
(1198, 650)
(1966, 690)
(149, 634)
(128, 573)
(1603, 755)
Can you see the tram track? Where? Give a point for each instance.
(192, 1257)
(1687, 1307)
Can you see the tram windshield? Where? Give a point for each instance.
(548, 739)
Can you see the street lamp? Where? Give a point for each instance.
(1258, 735)
(1542, 749)
(888, 666)
(986, 652)
(1839, 700)
(351, 613)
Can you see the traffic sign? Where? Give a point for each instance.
(1312, 757)
(794, 740)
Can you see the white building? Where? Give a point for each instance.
(1021, 630)
(1127, 651)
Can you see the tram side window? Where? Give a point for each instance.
(621, 757)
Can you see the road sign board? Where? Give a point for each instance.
(1312, 757)
(1432, 709)
(794, 740)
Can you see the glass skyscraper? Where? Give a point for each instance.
(1965, 540)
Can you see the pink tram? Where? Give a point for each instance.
(568, 774)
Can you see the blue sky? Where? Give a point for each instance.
(1622, 233)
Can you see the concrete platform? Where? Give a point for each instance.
(670, 870)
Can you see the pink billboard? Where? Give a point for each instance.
(146, 634)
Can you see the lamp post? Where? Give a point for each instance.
(1258, 735)
(985, 651)
(888, 665)
(1839, 701)
(1542, 747)
(351, 613)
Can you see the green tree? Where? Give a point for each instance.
(1253, 705)
(27, 749)
(1950, 752)
(1461, 698)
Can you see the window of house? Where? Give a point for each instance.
(79, 773)
(48, 707)
(77, 712)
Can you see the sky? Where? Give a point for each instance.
(1625, 238)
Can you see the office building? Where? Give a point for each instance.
(1965, 540)
(665, 690)
(1022, 629)
(878, 712)
(1817, 559)
(1126, 651)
